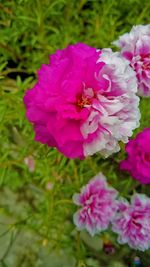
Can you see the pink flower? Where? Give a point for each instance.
(135, 46)
(132, 222)
(138, 161)
(84, 101)
(98, 205)
(30, 163)
(49, 186)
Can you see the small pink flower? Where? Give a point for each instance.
(132, 222)
(84, 101)
(49, 186)
(98, 205)
(138, 160)
(30, 163)
(135, 46)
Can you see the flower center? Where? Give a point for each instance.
(146, 62)
(83, 101)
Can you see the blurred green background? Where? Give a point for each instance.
(36, 182)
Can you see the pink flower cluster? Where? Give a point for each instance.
(135, 47)
(99, 208)
(138, 160)
(84, 101)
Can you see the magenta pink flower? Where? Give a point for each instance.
(135, 46)
(84, 101)
(138, 160)
(98, 205)
(132, 222)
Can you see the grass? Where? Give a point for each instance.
(36, 223)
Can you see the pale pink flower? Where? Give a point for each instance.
(132, 222)
(84, 101)
(135, 46)
(49, 186)
(98, 205)
(30, 163)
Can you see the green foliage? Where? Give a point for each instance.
(36, 207)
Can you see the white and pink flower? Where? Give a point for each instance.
(84, 101)
(135, 47)
(98, 205)
(132, 222)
